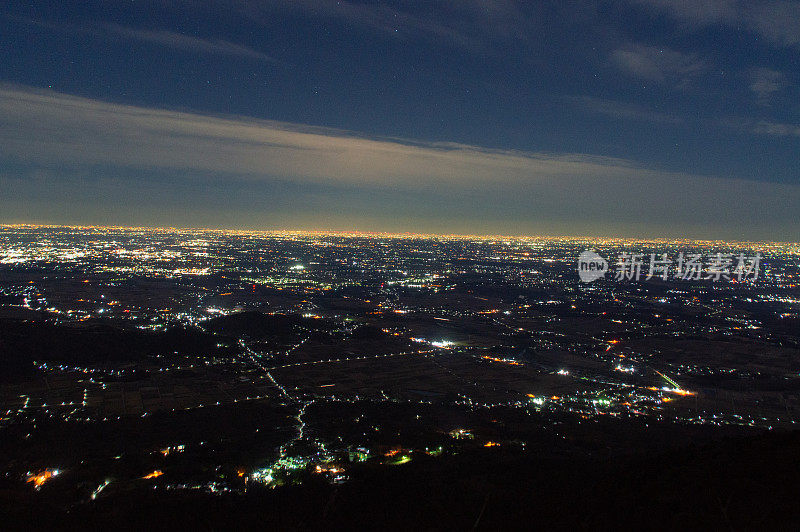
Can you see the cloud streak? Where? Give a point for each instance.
(165, 38)
(179, 41)
(50, 127)
(776, 129)
(656, 63)
(765, 82)
(64, 134)
(624, 110)
(778, 21)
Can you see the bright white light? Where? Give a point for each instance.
(442, 343)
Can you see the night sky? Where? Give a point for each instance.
(638, 118)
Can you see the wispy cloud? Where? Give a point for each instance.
(180, 41)
(488, 27)
(66, 134)
(761, 127)
(47, 126)
(776, 129)
(458, 30)
(657, 63)
(778, 21)
(765, 82)
(165, 38)
(624, 110)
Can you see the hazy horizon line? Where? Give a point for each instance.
(389, 234)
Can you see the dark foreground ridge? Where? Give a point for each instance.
(739, 483)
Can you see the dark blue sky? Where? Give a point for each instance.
(698, 97)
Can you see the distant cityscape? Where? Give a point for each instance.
(227, 361)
